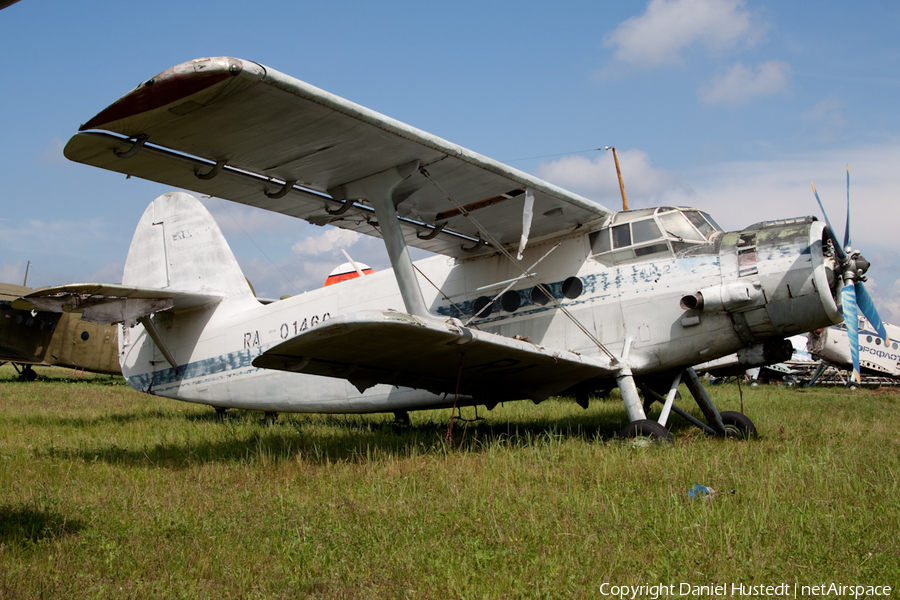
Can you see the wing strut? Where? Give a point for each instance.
(526, 272)
(157, 339)
(377, 189)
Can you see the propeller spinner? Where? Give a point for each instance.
(850, 269)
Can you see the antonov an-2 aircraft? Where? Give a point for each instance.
(535, 291)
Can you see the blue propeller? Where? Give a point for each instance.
(851, 267)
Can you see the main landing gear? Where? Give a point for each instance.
(729, 424)
(26, 373)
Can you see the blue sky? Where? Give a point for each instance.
(729, 106)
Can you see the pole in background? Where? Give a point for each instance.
(619, 173)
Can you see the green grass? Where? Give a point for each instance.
(105, 492)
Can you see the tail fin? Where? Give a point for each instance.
(178, 245)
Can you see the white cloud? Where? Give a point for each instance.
(597, 178)
(667, 27)
(330, 240)
(741, 84)
(234, 217)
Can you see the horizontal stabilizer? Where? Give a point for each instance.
(109, 303)
(372, 347)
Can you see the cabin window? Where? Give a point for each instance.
(483, 307)
(572, 287)
(510, 301)
(600, 241)
(539, 296)
(651, 249)
(621, 235)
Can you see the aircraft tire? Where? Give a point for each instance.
(27, 374)
(738, 425)
(645, 428)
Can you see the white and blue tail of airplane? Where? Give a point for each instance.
(202, 343)
(178, 245)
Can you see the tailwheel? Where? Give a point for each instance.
(738, 425)
(646, 429)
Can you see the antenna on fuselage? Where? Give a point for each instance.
(619, 173)
(353, 263)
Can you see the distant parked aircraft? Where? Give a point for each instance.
(876, 356)
(30, 337)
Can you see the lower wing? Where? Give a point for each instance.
(373, 347)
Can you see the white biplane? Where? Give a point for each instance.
(534, 292)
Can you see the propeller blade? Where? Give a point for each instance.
(851, 321)
(865, 304)
(847, 228)
(839, 250)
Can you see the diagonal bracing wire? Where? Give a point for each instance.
(526, 272)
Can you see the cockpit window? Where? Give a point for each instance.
(699, 222)
(712, 221)
(645, 231)
(678, 227)
(640, 233)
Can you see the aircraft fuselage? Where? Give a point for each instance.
(660, 313)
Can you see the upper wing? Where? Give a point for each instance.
(109, 303)
(235, 129)
(374, 347)
(11, 291)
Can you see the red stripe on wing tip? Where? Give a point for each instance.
(168, 87)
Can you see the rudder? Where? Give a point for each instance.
(178, 245)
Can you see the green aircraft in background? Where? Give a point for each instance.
(30, 337)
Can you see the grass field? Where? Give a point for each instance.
(107, 493)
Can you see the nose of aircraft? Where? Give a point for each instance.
(778, 280)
